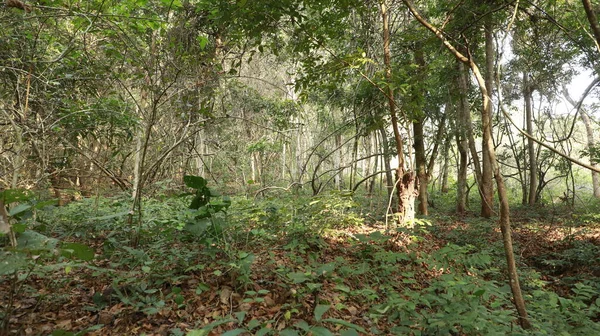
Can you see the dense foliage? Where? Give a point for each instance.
(299, 167)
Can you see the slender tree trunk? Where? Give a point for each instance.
(487, 186)
(421, 165)
(463, 86)
(405, 179)
(338, 162)
(354, 162)
(591, 143)
(463, 149)
(527, 94)
(419, 140)
(389, 180)
(593, 19)
(585, 118)
(137, 166)
(502, 195)
(374, 146)
(445, 168)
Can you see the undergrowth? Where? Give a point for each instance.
(287, 265)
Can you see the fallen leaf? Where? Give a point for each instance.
(105, 318)
(64, 324)
(225, 295)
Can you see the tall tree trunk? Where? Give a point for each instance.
(527, 94)
(419, 139)
(405, 179)
(502, 195)
(421, 165)
(463, 87)
(389, 180)
(137, 165)
(445, 168)
(462, 112)
(487, 185)
(338, 162)
(374, 147)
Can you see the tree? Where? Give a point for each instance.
(504, 206)
(405, 179)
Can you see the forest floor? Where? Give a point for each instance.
(445, 276)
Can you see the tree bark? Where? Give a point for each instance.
(502, 195)
(445, 168)
(527, 94)
(5, 226)
(421, 165)
(593, 19)
(463, 145)
(487, 186)
(419, 139)
(337, 159)
(405, 180)
(463, 87)
(18, 4)
(389, 179)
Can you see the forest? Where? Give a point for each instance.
(299, 167)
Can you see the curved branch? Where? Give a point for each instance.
(578, 106)
(543, 144)
(368, 177)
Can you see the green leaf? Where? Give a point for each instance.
(298, 277)
(240, 316)
(342, 288)
(209, 327)
(321, 331)
(31, 240)
(320, 310)
(202, 41)
(195, 182)
(19, 209)
(302, 325)
(349, 332)
(11, 262)
(234, 332)
(253, 324)
(77, 250)
(289, 332)
(263, 331)
(345, 324)
(479, 292)
(19, 227)
(313, 286)
(16, 195)
(202, 287)
(198, 228)
(61, 332)
(326, 268)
